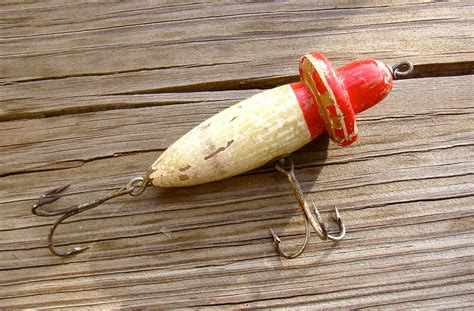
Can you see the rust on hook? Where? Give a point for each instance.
(314, 220)
(135, 187)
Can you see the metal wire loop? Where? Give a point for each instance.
(402, 70)
(136, 186)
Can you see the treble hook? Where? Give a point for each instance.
(134, 187)
(315, 220)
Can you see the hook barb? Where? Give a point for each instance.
(341, 225)
(135, 187)
(315, 220)
(48, 198)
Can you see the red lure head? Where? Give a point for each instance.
(341, 94)
(367, 82)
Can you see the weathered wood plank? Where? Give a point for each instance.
(92, 92)
(406, 196)
(208, 49)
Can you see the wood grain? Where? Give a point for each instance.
(92, 93)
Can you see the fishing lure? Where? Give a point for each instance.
(263, 128)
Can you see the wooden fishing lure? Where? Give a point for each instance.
(262, 128)
(275, 122)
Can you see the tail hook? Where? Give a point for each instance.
(135, 187)
(315, 220)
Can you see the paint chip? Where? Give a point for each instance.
(183, 177)
(219, 150)
(184, 168)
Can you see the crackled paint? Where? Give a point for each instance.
(238, 139)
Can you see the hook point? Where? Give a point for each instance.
(342, 227)
(76, 250)
(47, 198)
(337, 216)
(51, 195)
(276, 239)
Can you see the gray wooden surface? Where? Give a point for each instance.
(92, 92)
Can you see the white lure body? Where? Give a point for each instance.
(243, 137)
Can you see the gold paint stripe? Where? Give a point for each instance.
(320, 66)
